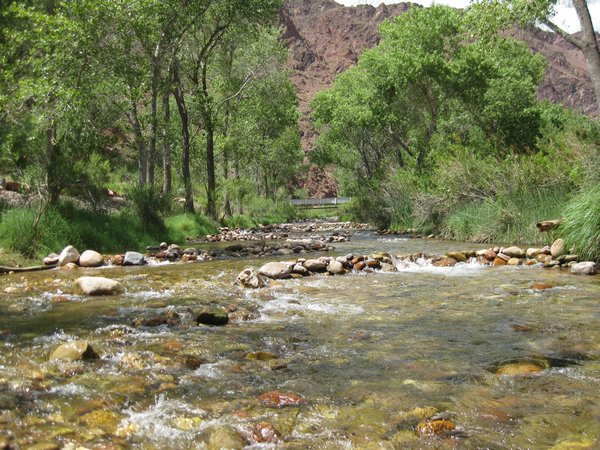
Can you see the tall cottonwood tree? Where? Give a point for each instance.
(426, 76)
(493, 15)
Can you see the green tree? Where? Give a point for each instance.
(491, 16)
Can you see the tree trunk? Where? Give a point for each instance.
(236, 177)
(589, 46)
(185, 138)
(211, 187)
(211, 205)
(52, 169)
(166, 144)
(151, 161)
(139, 141)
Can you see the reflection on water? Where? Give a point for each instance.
(370, 356)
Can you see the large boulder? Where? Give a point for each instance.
(68, 255)
(514, 252)
(133, 259)
(584, 268)
(276, 270)
(249, 278)
(73, 351)
(98, 286)
(91, 258)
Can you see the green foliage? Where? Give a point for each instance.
(427, 84)
(183, 226)
(582, 223)
(149, 204)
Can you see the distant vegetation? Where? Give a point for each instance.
(439, 129)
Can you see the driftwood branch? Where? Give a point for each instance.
(4, 269)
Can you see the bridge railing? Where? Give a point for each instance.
(331, 202)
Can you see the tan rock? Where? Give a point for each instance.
(98, 286)
(558, 247)
(73, 351)
(91, 258)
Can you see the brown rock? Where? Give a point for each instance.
(541, 286)
(434, 426)
(276, 399)
(458, 256)
(445, 262)
(360, 265)
(519, 368)
(373, 263)
(118, 260)
(490, 255)
(265, 432)
(500, 262)
(73, 351)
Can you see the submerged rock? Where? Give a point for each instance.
(276, 399)
(73, 351)
(265, 433)
(445, 262)
(519, 368)
(434, 426)
(249, 278)
(222, 437)
(169, 318)
(584, 268)
(91, 258)
(215, 316)
(98, 286)
(261, 356)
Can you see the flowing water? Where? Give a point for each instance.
(371, 355)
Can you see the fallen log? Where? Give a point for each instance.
(4, 269)
(548, 225)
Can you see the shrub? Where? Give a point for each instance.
(150, 205)
(582, 223)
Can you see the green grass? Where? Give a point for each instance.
(509, 219)
(182, 226)
(582, 223)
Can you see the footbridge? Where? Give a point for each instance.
(329, 202)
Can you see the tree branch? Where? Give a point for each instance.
(566, 36)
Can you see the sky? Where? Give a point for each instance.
(566, 17)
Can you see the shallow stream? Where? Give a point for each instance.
(370, 355)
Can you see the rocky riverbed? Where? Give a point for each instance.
(411, 351)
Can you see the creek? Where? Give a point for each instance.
(370, 356)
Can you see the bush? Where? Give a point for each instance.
(150, 205)
(582, 223)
